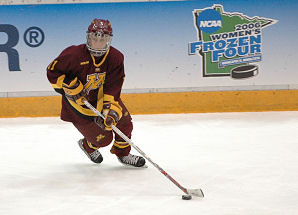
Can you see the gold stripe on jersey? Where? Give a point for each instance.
(59, 82)
(120, 145)
(110, 99)
(82, 110)
(69, 88)
(101, 62)
(100, 96)
(91, 146)
(52, 65)
(84, 63)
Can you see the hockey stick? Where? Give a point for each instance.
(189, 192)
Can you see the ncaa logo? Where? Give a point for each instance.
(209, 21)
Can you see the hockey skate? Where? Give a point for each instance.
(94, 156)
(133, 161)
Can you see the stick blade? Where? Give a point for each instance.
(195, 192)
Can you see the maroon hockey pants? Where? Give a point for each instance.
(98, 137)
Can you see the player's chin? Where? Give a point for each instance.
(98, 47)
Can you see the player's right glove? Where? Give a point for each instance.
(75, 91)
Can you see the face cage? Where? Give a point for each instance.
(99, 52)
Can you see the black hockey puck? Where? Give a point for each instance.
(186, 197)
(246, 71)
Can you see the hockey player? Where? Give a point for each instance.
(95, 71)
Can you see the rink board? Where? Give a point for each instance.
(167, 57)
(158, 103)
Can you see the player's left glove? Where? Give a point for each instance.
(112, 114)
(75, 91)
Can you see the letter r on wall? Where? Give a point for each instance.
(13, 39)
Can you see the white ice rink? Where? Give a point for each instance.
(246, 163)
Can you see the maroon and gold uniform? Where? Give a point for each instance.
(102, 78)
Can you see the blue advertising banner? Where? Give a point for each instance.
(181, 44)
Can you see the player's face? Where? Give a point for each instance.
(98, 42)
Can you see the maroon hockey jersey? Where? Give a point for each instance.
(102, 78)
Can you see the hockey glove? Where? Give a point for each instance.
(75, 91)
(112, 115)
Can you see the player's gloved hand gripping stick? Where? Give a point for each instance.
(188, 192)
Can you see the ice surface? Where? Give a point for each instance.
(246, 163)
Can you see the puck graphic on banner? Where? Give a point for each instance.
(246, 71)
